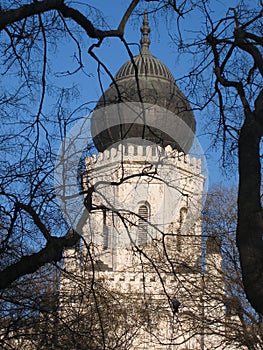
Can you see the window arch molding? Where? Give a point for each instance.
(182, 218)
(143, 213)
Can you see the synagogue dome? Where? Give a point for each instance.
(145, 80)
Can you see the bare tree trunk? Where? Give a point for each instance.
(250, 220)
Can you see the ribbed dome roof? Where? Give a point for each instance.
(144, 79)
(147, 65)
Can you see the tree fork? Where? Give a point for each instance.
(52, 252)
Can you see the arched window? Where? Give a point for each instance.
(182, 217)
(105, 231)
(143, 214)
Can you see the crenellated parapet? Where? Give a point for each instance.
(154, 154)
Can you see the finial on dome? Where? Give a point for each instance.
(145, 30)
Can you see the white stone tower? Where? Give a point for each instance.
(143, 192)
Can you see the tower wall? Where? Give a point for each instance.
(169, 184)
(127, 177)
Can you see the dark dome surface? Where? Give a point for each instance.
(144, 79)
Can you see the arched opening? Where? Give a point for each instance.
(105, 231)
(143, 214)
(182, 217)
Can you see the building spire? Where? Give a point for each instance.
(145, 30)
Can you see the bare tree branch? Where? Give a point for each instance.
(36, 8)
(52, 252)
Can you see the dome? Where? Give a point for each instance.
(147, 66)
(144, 80)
